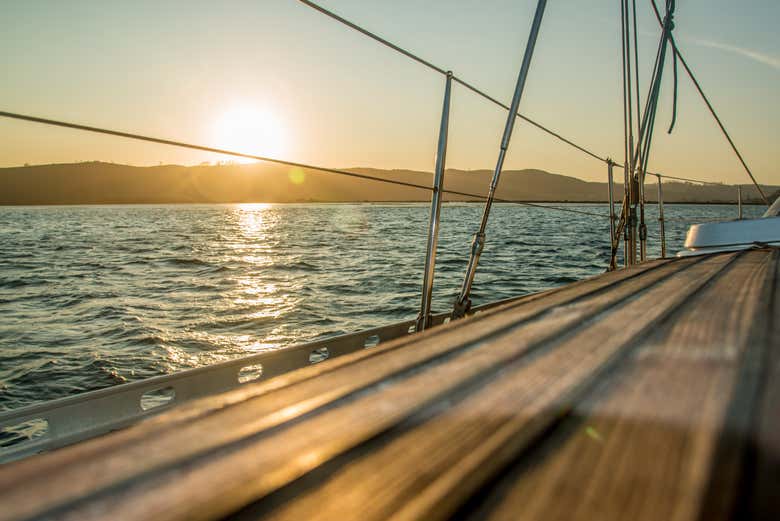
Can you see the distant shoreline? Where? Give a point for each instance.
(97, 183)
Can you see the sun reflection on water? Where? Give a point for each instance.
(257, 297)
(253, 218)
(266, 296)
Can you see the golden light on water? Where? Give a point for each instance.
(253, 221)
(262, 301)
(256, 221)
(252, 130)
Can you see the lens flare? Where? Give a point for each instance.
(297, 176)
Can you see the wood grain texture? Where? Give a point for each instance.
(211, 423)
(236, 473)
(643, 445)
(456, 452)
(617, 397)
(761, 472)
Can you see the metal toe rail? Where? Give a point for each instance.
(56, 423)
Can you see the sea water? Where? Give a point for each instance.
(94, 296)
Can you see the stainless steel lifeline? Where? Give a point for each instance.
(463, 302)
(424, 318)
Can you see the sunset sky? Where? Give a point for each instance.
(274, 77)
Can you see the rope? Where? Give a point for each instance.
(373, 36)
(648, 120)
(435, 68)
(636, 62)
(628, 137)
(558, 208)
(483, 94)
(536, 124)
(710, 107)
(491, 99)
(525, 203)
(628, 125)
(677, 178)
(151, 139)
(674, 94)
(443, 71)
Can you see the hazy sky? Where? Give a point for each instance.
(277, 78)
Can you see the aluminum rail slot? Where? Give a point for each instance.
(92, 413)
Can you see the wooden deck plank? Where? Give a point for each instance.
(558, 397)
(454, 453)
(762, 472)
(237, 473)
(105, 462)
(642, 447)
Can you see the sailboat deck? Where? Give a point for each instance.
(646, 393)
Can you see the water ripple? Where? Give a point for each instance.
(94, 296)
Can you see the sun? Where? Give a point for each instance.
(251, 129)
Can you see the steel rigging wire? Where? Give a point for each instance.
(192, 146)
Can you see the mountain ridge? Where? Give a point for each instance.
(110, 183)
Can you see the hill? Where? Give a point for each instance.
(108, 183)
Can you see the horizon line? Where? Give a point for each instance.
(233, 163)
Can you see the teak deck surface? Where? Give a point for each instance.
(647, 393)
